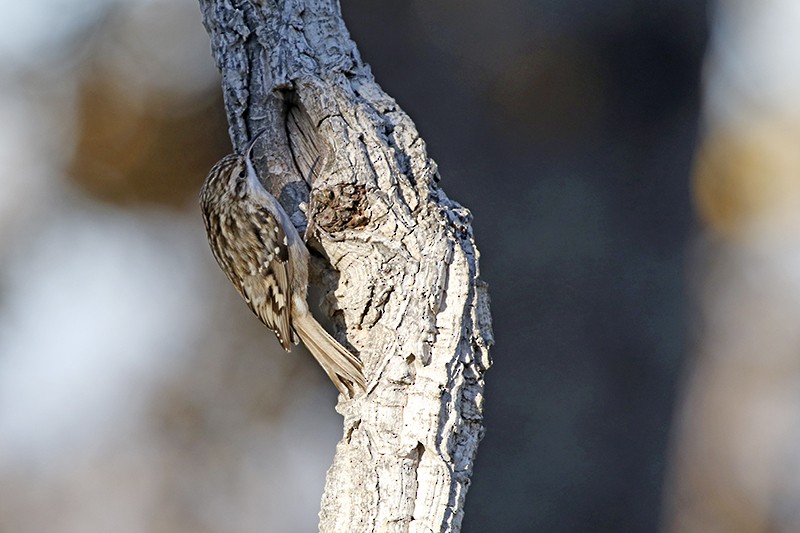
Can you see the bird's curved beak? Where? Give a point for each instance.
(253, 143)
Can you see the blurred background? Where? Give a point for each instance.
(634, 172)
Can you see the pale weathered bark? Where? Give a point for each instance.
(402, 259)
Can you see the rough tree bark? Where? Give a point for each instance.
(398, 255)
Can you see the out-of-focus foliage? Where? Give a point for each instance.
(736, 458)
(137, 392)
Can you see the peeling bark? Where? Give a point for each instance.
(397, 254)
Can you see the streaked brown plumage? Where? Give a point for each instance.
(260, 251)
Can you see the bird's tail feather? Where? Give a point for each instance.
(344, 369)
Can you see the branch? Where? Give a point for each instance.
(401, 255)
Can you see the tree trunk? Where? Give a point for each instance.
(398, 255)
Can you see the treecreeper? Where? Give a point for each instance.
(264, 257)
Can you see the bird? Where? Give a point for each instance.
(260, 251)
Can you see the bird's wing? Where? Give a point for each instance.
(268, 290)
